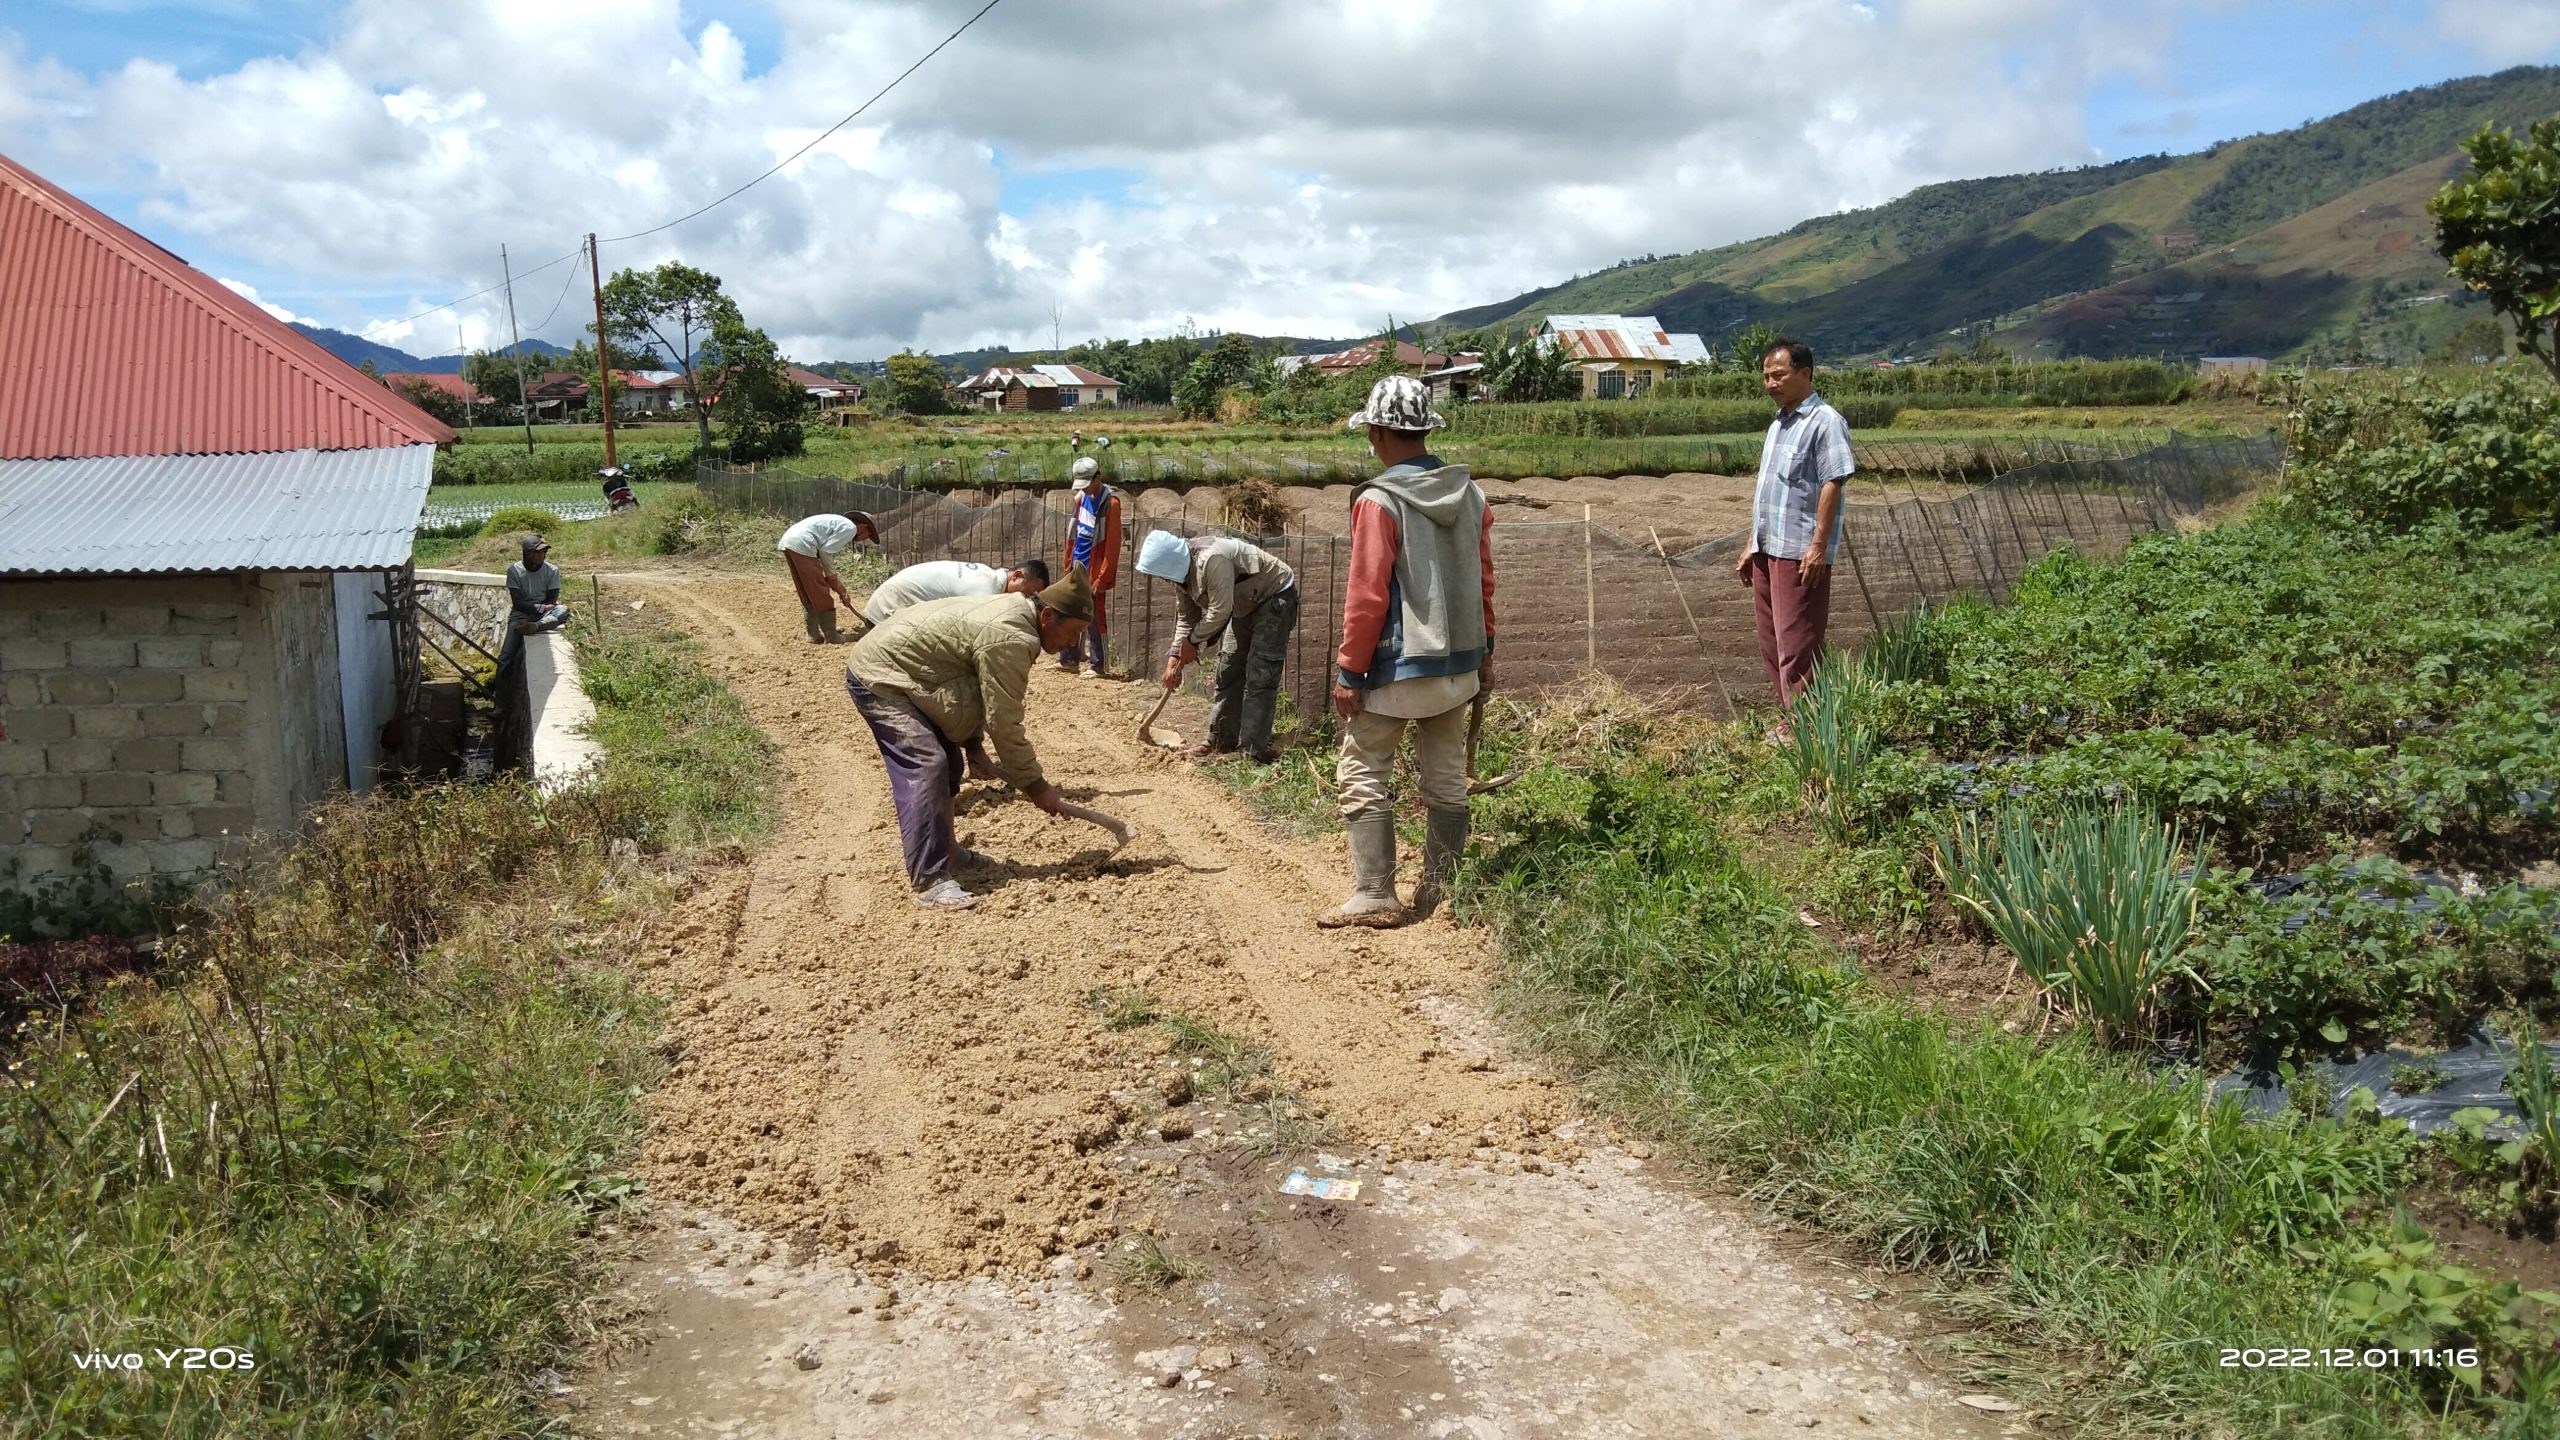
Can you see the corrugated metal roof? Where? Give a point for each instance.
(110, 345)
(1623, 337)
(290, 510)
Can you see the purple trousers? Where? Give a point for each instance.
(924, 773)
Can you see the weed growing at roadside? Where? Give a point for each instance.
(1146, 1264)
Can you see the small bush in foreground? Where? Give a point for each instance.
(514, 520)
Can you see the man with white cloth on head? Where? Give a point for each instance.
(1232, 591)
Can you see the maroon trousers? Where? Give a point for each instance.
(1791, 619)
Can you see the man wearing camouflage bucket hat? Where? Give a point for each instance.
(1417, 647)
(933, 678)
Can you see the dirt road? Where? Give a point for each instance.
(901, 1152)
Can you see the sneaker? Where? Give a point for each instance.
(945, 895)
(1095, 675)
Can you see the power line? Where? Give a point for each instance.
(565, 283)
(732, 195)
(492, 290)
(813, 144)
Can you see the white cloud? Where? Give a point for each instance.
(250, 294)
(1301, 168)
(2502, 32)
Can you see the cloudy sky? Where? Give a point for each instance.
(1293, 168)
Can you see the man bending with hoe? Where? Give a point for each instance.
(945, 579)
(809, 550)
(935, 677)
(1227, 587)
(1805, 464)
(1417, 646)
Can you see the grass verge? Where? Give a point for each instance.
(353, 1141)
(2105, 1230)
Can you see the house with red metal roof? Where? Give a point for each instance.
(206, 621)
(1621, 356)
(453, 385)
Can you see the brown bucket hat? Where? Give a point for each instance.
(1071, 597)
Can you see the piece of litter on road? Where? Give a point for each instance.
(1328, 1188)
(1992, 1403)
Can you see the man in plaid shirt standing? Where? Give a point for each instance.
(1796, 522)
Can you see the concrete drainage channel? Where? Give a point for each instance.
(548, 730)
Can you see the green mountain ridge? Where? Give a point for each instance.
(2239, 248)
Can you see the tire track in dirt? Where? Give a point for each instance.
(921, 1114)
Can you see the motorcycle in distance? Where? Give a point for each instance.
(617, 489)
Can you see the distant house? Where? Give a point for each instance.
(1459, 382)
(1621, 356)
(1081, 389)
(646, 392)
(453, 385)
(825, 391)
(1411, 358)
(2232, 365)
(1006, 387)
(557, 395)
(205, 529)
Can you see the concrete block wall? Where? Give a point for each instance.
(157, 721)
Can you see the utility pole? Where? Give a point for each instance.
(462, 348)
(524, 391)
(604, 360)
(1054, 342)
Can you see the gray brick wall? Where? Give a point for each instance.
(126, 708)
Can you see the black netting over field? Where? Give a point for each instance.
(1573, 597)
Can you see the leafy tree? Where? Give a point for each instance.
(2479, 336)
(581, 362)
(675, 309)
(760, 404)
(917, 385)
(442, 404)
(495, 376)
(1531, 369)
(2499, 226)
(370, 373)
(1987, 351)
(1745, 348)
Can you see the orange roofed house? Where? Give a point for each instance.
(205, 530)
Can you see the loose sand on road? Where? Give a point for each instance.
(896, 1144)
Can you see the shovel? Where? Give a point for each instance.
(1147, 727)
(1475, 724)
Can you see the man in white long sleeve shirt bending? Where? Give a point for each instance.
(809, 550)
(948, 579)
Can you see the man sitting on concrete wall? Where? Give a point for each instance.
(533, 598)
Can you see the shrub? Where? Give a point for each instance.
(515, 519)
(2392, 456)
(2363, 952)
